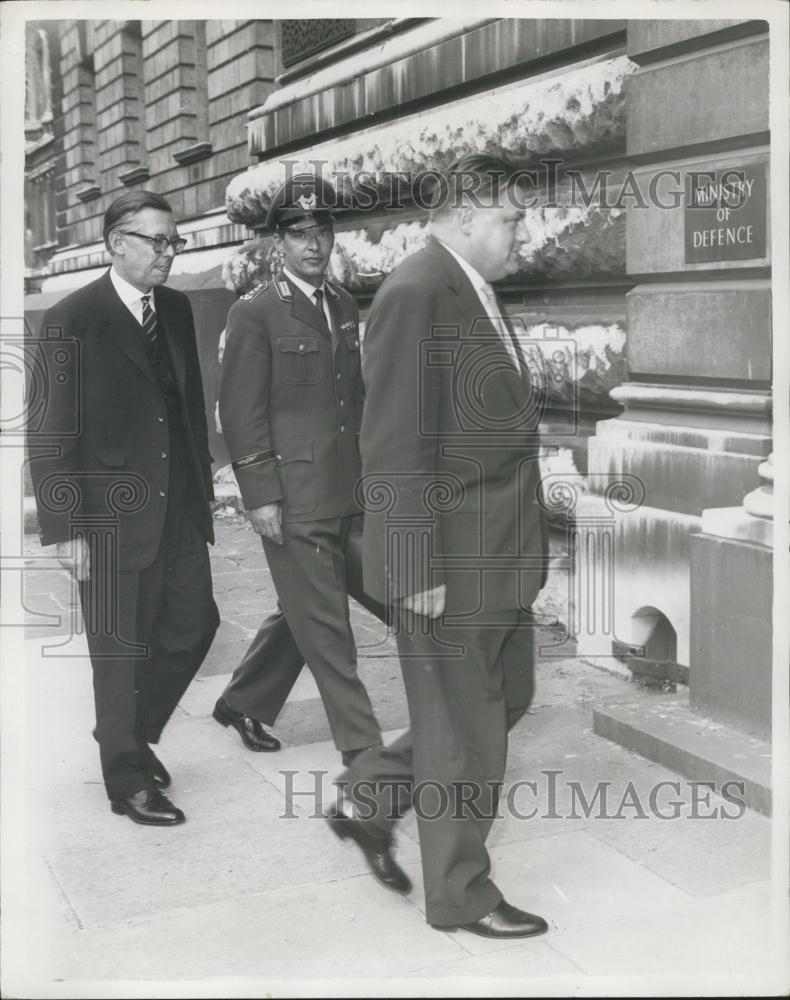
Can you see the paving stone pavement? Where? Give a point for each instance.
(253, 896)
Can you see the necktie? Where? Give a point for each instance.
(506, 332)
(318, 297)
(150, 331)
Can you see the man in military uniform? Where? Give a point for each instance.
(291, 404)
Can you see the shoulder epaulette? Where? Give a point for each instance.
(283, 289)
(256, 291)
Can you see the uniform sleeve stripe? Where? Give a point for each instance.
(259, 459)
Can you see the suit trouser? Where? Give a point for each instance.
(148, 632)
(261, 683)
(310, 574)
(451, 762)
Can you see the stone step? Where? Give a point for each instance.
(662, 728)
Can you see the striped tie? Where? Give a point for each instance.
(150, 330)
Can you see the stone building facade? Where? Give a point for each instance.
(43, 147)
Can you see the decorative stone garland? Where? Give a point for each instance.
(565, 115)
(562, 241)
(568, 114)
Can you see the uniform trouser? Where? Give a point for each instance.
(261, 683)
(452, 760)
(310, 574)
(148, 633)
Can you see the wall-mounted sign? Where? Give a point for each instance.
(726, 214)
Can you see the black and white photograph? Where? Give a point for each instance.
(394, 426)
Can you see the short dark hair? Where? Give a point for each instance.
(480, 175)
(130, 203)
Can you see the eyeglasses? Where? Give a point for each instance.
(300, 237)
(159, 243)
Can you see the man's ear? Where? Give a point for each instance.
(116, 241)
(464, 216)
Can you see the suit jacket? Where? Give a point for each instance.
(103, 419)
(449, 447)
(290, 401)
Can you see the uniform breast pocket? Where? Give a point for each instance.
(300, 360)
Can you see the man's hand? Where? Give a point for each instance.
(429, 603)
(267, 521)
(75, 556)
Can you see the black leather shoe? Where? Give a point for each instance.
(377, 851)
(159, 772)
(505, 921)
(252, 733)
(151, 807)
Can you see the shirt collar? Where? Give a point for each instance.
(304, 286)
(479, 283)
(127, 293)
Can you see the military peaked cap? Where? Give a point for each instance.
(304, 200)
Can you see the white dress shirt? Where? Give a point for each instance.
(487, 297)
(310, 290)
(131, 297)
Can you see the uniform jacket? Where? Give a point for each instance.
(102, 419)
(449, 447)
(290, 401)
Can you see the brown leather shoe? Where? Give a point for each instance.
(377, 850)
(252, 733)
(151, 807)
(504, 921)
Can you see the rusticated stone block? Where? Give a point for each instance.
(713, 437)
(217, 30)
(236, 104)
(257, 64)
(680, 479)
(655, 241)
(711, 95)
(249, 35)
(731, 629)
(716, 329)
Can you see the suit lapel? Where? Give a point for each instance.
(169, 329)
(122, 328)
(477, 321)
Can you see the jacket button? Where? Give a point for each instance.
(342, 428)
(279, 458)
(163, 455)
(162, 493)
(161, 420)
(301, 348)
(339, 374)
(342, 402)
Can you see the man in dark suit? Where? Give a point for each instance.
(290, 405)
(455, 542)
(123, 486)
